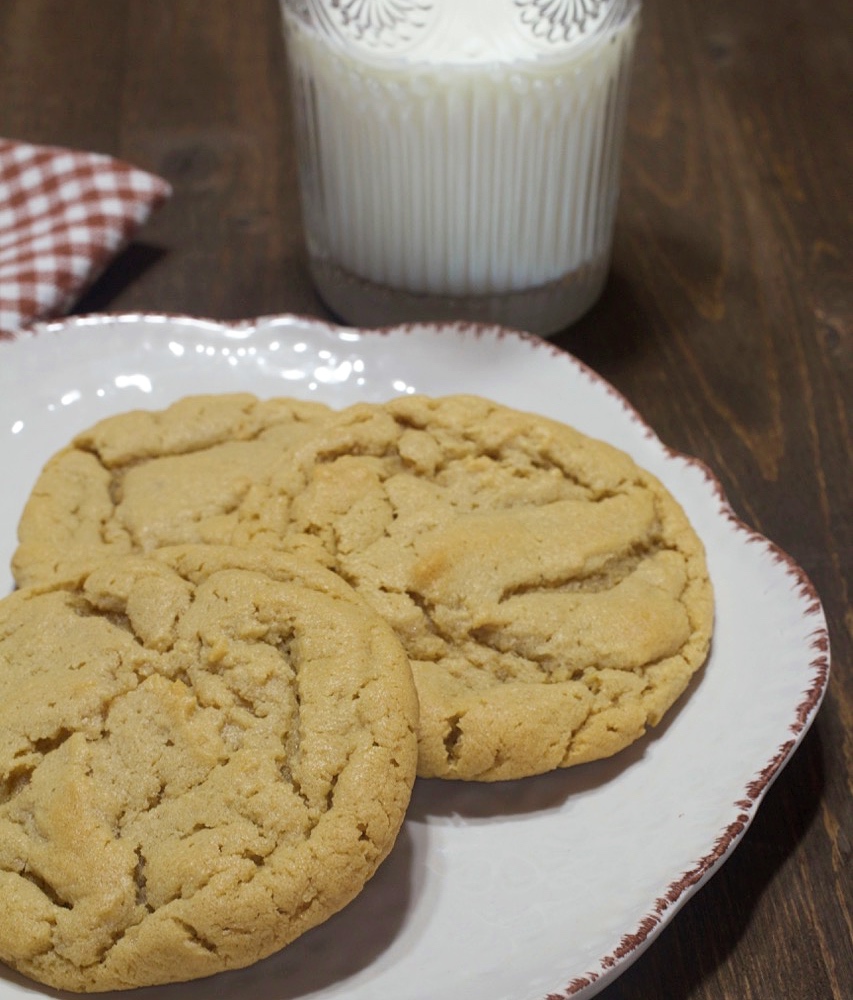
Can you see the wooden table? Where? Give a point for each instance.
(726, 322)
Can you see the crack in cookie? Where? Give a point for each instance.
(142, 480)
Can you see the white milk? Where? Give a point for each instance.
(475, 174)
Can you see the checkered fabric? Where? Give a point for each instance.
(63, 216)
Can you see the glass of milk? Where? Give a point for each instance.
(459, 159)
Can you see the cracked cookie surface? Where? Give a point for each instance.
(552, 596)
(202, 755)
(144, 479)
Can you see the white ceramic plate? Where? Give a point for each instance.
(547, 887)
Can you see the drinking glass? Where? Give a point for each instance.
(459, 159)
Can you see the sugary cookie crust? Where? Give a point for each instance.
(144, 479)
(202, 755)
(551, 595)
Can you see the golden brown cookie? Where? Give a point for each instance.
(202, 755)
(551, 595)
(144, 479)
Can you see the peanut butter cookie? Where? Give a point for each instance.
(202, 755)
(552, 596)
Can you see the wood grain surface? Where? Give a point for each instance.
(726, 321)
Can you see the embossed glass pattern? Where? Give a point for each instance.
(460, 158)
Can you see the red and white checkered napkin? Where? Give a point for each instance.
(63, 216)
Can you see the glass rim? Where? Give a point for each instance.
(325, 20)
